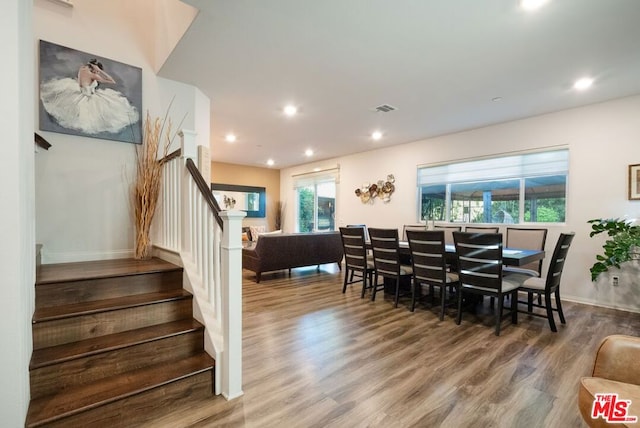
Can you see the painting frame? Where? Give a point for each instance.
(86, 94)
(634, 182)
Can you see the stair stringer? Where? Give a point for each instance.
(203, 311)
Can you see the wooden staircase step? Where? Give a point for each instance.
(81, 321)
(66, 366)
(61, 367)
(73, 401)
(64, 272)
(67, 292)
(84, 348)
(67, 283)
(87, 308)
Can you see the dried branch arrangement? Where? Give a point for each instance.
(148, 180)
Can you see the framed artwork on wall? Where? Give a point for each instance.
(634, 182)
(89, 95)
(244, 198)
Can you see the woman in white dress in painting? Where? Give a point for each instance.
(81, 104)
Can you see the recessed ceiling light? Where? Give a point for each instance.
(270, 162)
(290, 110)
(496, 99)
(582, 84)
(308, 152)
(376, 135)
(230, 138)
(532, 4)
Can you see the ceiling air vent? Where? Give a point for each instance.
(385, 108)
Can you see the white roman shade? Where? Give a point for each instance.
(555, 162)
(316, 177)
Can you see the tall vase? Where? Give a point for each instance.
(143, 242)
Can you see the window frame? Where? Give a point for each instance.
(315, 179)
(559, 166)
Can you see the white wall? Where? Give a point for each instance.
(82, 184)
(17, 221)
(603, 139)
(173, 18)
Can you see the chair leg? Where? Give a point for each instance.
(364, 284)
(499, 313)
(514, 307)
(344, 285)
(530, 302)
(375, 287)
(559, 306)
(443, 295)
(351, 279)
(459, 314)
(397, 292)
(500, 300)
(547, 304)
(414, 292)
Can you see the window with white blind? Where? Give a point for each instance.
(316, 200)
(522, 188)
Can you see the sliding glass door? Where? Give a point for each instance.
(316, 206)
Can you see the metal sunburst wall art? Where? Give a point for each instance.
(381, 190)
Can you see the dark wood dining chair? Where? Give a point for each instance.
(363, 226)
(480, 272)
(408, 227)
(429, 265)
(526, 239)
(482, 229)
(547, 285)
(386, 260)
(358, 264)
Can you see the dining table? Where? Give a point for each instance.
(510, 256)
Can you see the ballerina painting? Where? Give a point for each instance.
(82, 95)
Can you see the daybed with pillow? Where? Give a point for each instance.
(289, 250)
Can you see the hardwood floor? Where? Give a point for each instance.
(314, 357)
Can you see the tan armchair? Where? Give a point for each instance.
(616, 370)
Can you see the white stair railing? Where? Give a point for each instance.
(190, 229)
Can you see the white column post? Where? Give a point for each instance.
(188, 146)
(231, 289)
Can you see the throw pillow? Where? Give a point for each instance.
(256, 230)
(275, 232)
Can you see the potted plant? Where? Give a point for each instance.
(623, 244)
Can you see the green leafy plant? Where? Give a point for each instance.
(617, 249)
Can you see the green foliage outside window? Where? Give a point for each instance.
(305, 209)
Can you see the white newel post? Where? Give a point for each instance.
(188, 147)
(232, 303)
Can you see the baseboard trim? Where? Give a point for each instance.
(50, 257)
(168, 255)
(234, 396)
(599, 305)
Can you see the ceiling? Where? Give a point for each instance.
(442, 63)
